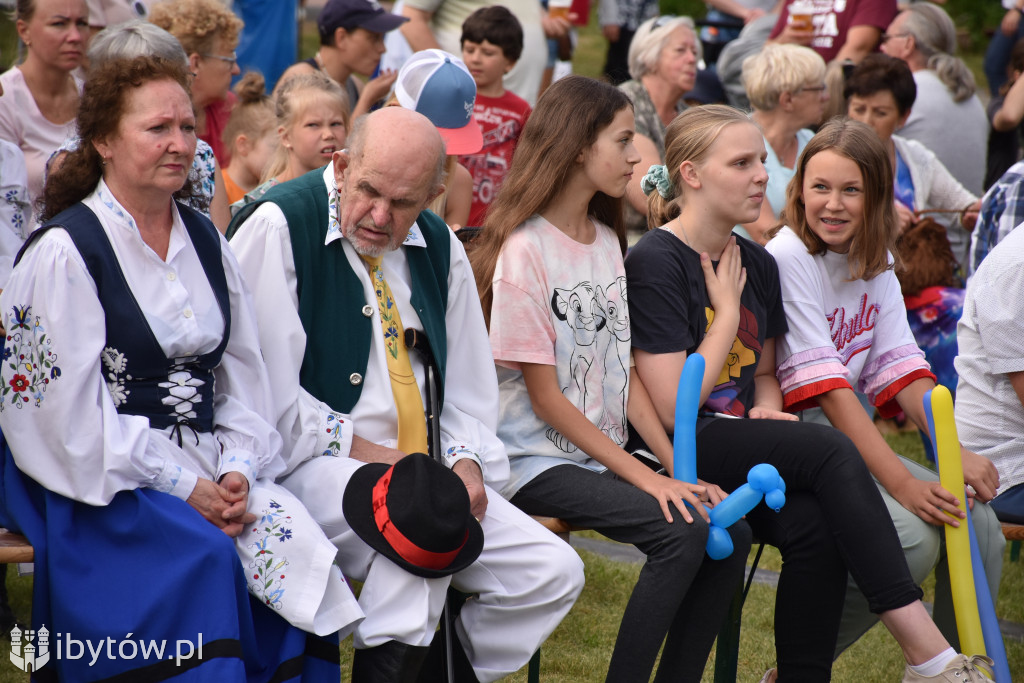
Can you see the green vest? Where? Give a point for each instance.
(331, 300)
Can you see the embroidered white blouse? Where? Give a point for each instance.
(14, 206)
(309, 427)
(60, 385)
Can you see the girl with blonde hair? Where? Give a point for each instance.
(313, 122)
(250, 136)
(695, 287)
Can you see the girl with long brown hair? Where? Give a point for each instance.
(550, 273)
(848, 330)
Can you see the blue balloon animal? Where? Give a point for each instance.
(762, 480)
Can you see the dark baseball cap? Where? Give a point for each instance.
(350, 14)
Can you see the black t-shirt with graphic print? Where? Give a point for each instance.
(670, 311)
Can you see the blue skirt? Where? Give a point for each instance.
(144, 589)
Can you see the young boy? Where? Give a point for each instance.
(492, 40)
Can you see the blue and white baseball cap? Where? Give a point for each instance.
(438, 85)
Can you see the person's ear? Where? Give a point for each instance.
(340, 37)
(21, 26)
(911, 44)
(341, 161)
(242, 144)
(438, 191)
(903, 119)
(193, 62)
(282, 136)
(103, 149)
(688, 174)
(509, 65)
(786, 100)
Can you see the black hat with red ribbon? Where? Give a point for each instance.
(416, 513)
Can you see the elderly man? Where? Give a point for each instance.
(340, 261)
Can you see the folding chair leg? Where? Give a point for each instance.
(533, 670)
(727, 651)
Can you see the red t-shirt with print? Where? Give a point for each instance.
(833, 19)
(501, 119)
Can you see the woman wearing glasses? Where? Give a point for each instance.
(924, 37)
(209, 33)
(663, 59)
(663, 64)
(786, 87)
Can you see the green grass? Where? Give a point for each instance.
(579, 649)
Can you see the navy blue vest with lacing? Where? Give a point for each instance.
(142, 379)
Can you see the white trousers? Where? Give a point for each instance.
(289, 564)
(524, 581)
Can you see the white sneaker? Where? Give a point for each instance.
(960, 669)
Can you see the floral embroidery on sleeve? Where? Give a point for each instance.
(456, 453)
(29, 359)
(333, 430)
(266, 580)
(17, 200)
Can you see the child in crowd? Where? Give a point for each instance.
(551, 280)
(250, 136)
(313, 122)
(848, 330)
(438, 85)
(694, 287)
(492, 40)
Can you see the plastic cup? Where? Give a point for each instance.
(559, 9)
(801, 14)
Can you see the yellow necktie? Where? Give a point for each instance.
(412, 425)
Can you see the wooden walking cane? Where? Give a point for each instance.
(417, 340)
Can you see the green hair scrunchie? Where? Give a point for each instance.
(657, 177)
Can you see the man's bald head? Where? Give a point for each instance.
(392, 170)
(410, 134)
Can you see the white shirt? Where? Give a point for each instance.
(936, 188)
(842, 332)
(14, 206)
(309, 426)
(989, 415)
(22, 123)
(63, 426)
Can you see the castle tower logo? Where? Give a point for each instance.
(27, 655)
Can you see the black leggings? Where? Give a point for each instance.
(834, 521)
(681, 596)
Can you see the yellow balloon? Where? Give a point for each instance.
(958, 541)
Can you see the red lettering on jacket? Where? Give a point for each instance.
(846, 330)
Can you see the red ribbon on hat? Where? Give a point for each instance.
(406, 549)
